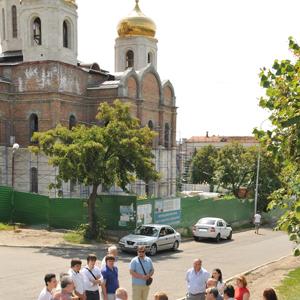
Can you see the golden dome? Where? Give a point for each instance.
(71, 2)
(136, 24)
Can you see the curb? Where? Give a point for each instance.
(65, 247)
(250, 270)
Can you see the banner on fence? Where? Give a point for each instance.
(167, 211)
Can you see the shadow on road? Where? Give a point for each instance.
(212, 241)
(123, 256)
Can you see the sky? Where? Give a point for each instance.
(211, 51)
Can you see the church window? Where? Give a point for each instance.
(72, 122)
(150, 58)
(33, 125)
(129, 59)
(66, 35)
(167, 135)
(37, 31)
(14, 21)
(150, 125)
(33, 180)
(3, 23)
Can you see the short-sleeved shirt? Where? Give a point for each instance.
(78, 280)
(257, 218)
(196, 281)
(110, 277)
(136, 267)
(45, 295)
(88, 278)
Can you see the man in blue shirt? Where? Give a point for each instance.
(110, 277)
(141, 269)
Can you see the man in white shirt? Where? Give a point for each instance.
(257, 220)
(196, 279)
(51, 284)
(77, 278)
(93, 279)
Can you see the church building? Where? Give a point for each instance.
(42, 84)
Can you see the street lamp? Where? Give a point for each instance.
(15, 147)
(257, 171)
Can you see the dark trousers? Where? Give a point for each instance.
(92, 295)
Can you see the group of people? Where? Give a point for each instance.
(205, 286)
(93, 282)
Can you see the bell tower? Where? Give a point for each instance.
(41, 29)
(136, 46)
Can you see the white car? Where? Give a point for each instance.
(214, 228)
(154, 237)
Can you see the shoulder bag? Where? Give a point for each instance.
(149, 280)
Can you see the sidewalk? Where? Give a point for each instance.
(41, 238)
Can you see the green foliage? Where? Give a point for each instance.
(290, 286)
(282, 99)
(116, 152)
(235, 167)
(203, 165)
(6, 227)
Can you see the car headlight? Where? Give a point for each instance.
(142, 243)
(122, 241)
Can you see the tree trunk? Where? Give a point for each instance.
(91, 209)
(211, 187)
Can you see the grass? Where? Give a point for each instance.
(75, 238)
(6, 227)
(290, 286)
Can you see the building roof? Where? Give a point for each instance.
(222, 139)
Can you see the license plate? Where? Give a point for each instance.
(202, 229)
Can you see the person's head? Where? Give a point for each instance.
(91, 260)
(50, 281)
(217, 274)
(112, 250)
(269, 294)
(76, 264)
(67, 284)
(212, 294)
(160, 296)
(141, 250)
(121, 294)
(211, 283)
(241, 281)
(228, 292)
(62, 275)
(197, 264)
(110, 260)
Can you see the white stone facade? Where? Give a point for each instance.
(52, 15)
(141, 47)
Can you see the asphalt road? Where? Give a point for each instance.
(23, 269)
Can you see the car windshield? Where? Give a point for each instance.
(146, 230)
(207, 221)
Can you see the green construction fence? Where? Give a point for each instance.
(5, 204)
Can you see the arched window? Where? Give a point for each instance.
(150, 125)
(150, 58)
(3, 24)
(167, 135)
(66, 33)
(33, 125)
(34, 180)
(72, 122)
(37, 31)
(14, 21)
(129, 59)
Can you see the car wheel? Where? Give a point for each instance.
(153, 250)
(230, 236)
(175, 246)
(218, 238)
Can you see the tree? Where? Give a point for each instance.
(282, 99)
(203, 166)
(234, 167)
(115, 153)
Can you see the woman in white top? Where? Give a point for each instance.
(217, 274)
